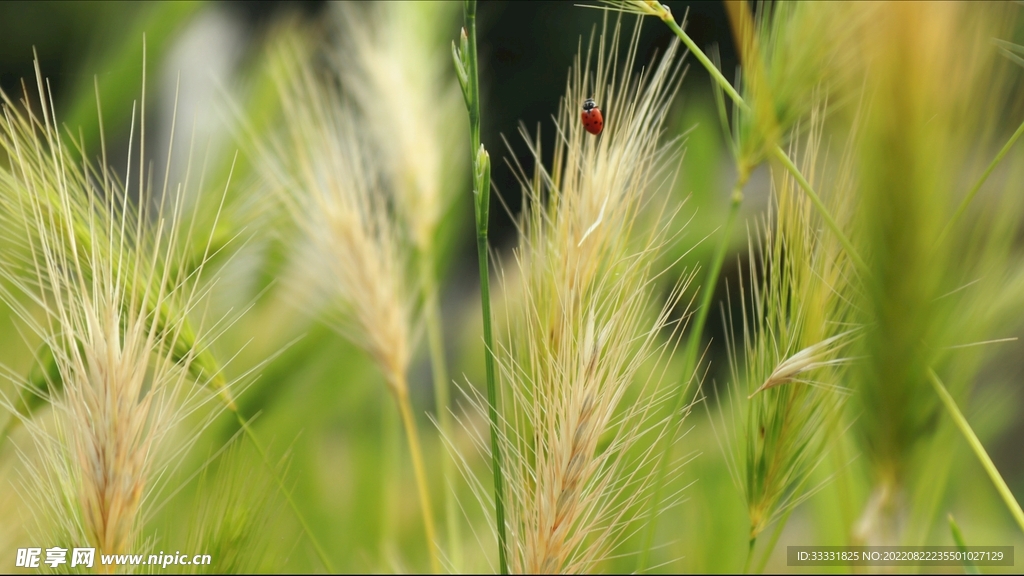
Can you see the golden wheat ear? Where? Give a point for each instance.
(94, 279)
(393, 64)
(323, 170)
(585, 331)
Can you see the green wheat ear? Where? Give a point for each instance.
(239, 501)
(789, 367)
(933, 102)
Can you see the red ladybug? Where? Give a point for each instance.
(593, 121)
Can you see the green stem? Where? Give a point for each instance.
(690, 358)
(984, 176)
(439, 368)
(391, 449)
(492, 408)
(774, 540)
(711, 282)
(412, 436)
(979, 450)
(781, 156)
(958, 539)
(466, 63)
(779, 153)
(750, 555)
(708, 64)
(929, 498)
(320, 552)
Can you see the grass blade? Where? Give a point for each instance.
(958, 418)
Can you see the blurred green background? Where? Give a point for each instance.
(318, 401)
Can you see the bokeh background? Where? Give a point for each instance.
(318, 400)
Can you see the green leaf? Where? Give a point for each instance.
(958, 538)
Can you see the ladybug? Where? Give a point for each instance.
(593, 121)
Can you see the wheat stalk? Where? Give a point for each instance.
(322, 173)
(392, 63)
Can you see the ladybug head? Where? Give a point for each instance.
(589, 105)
